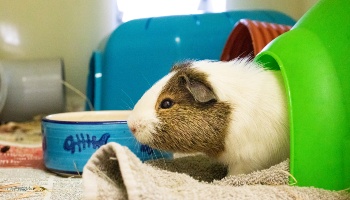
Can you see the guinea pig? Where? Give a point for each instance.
(235, 112)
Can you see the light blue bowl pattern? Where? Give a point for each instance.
(67, 146)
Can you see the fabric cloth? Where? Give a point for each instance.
(114, 172)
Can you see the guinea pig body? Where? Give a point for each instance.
(233, 111)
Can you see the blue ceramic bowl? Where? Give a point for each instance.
(69, 139)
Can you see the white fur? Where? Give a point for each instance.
(143, 118)
(258, 133)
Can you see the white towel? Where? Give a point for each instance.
(114, 172)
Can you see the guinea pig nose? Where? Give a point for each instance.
(132, 129)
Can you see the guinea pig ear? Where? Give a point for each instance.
(199, 90)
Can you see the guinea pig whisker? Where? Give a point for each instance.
(137, 145)
(127, 105)
(144, 77)
(130, 99)
(163, 158)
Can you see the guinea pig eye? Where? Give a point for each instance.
(166, 103)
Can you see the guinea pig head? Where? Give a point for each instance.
(182, 113)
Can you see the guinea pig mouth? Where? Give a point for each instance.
(144, 139)
(142, 133)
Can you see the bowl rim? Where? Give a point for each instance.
(86, 122)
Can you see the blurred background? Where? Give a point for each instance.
(72, 30)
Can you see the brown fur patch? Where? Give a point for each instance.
(181, 65)
(190, 126)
